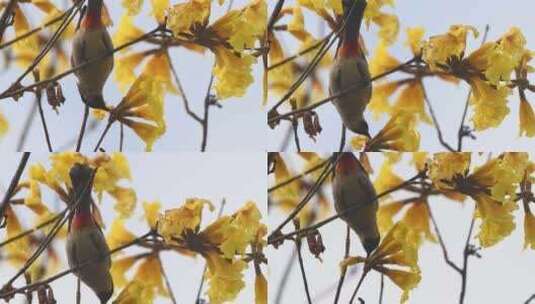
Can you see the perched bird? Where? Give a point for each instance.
(351, 70)
(352, 188)
(92, 41)
(85, 241)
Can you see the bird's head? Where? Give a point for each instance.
(93, 17)
(370, 244)
(363, 129)
(81, 178)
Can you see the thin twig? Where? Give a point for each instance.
(466, 253)
(435, 121)
(344, 270)
(167, 282)
(382, 289)
(121, 137)
(82, 129)
(302, 267)
(39, 99)
(6, 16)
(301, 53)
(30, 231)
(14, 183)
(296, 177)
(295, 125)
(364, 273)
(78, 294)
(441, 242)
(207, 103)
(106, 129)
(182, 92)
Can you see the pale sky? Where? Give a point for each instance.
(503, 275)
(169, 178)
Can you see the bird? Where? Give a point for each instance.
(353, 189)
(351, 69)
(86, 246)
(92, 41)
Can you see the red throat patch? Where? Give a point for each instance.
(350, 48)
(81, 220)
(92, 20)
(347, 164)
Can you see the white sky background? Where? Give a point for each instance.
(239, 125)
(448, 100)
(170, 178)
(503, 275)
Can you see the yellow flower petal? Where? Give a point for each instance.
(152, 212)
(125, 201)
(186, 17)
(33, 199)
(529, 230)
(233, 73)
(119, 268)
(124, 69)
(447, 165)
(497, 219)
(126, 31)
(174, 221)
(260, 289)
(4, 125)
(158, 9)
(411, 99)
(225, 278)
(438, 49)
(382, 61)
(119, 235)
(133, 7)
(526, 114)
(415, 39)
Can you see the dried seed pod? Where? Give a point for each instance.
(315, 243)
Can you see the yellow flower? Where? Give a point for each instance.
(62, 164)
(497, 219)
(119, 268)
(261, 289)
(150, 273)
(527, 119)
(322, 7)
(241, 231)
(135, 293)
(411, 99)
(111, 169)
(124, 73)
(152, 212)
(188, 217)
(142, 109)
(417, 221)
(396, 258)
(18, 251)
(388, 23)
(225, 278)
(186, 17)
(133, 7)
(126, 31)
(386, 179)
(382, 61)
(381, 92)
(33, 199)
(119, 235)
(161, 71)
(529, 230)
(415, 39)
(158, 9)
(446, 165)
(419, 160)
(4, 125)
(126, 201)
(399, 134)
(385, 215)
(439, 49)
(26, 49)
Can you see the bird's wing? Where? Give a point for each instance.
(367, 187)
(107, 42)
(72, 253)
(98, 240)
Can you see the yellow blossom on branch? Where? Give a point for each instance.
(399, 134)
